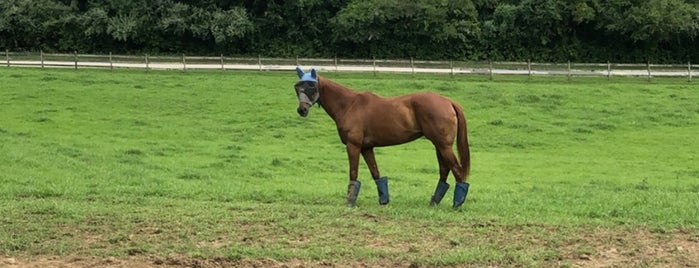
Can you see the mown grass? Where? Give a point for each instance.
(218, 164)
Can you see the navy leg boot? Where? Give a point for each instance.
(439, 193)
(353, 192)
(460, 192)
(382, 186)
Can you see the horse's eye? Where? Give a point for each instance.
(310, 91)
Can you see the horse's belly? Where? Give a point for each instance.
(391, 133)
(373, 142)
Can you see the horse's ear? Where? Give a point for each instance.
(299, 72)
(314, 74)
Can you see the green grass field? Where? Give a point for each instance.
(218, 167)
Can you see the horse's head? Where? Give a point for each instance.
(306, 90)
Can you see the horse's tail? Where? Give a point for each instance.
(462, 140)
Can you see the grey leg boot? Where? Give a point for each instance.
(460, 192)
(353, 192)
(382, 187)
(439, 193)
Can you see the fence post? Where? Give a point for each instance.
(111, 64)
(222, 66)
(41, 53)
(689, 71)
(374, 62)
(7, 57)
(336, 69)
(184, 62)
(569, 70)
(259, 62)
(297, 60)
(147, 63)
(412, 66)
(529, 68)
(609, 70)
(648, 66)
(76, 58)
(490, 69)
(451, 66)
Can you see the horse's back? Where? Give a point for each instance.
(431, 104)
(385, 121)
(400, 119)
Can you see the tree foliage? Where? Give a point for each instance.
(544, 30)
(425, 28)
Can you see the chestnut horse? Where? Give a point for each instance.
(365, 120)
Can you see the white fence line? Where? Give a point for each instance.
(183, 62)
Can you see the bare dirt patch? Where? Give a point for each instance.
(607, 248)
(172, 261)
(593, 247)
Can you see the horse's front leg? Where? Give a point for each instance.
(354, 185)
(381, 182)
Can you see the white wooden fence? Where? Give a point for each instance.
(184, 62)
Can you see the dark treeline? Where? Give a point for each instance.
(540, 30)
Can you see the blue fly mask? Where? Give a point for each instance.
(306, 90)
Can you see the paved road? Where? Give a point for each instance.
(352, 68)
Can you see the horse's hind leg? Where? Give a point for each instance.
(461, 188)
(381, 182)
(442, 185)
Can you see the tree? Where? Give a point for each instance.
(31, 24)
(544, 30)
(292, 28)
(424, 29)
(541, 30)
(651, 27)
(163, 26)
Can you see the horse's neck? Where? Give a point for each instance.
(335, 98)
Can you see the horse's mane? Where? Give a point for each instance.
(332, 84)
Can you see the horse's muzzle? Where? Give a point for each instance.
(303, 111)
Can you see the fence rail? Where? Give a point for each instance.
(184, 62)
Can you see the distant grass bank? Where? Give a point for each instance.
(219, 165)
